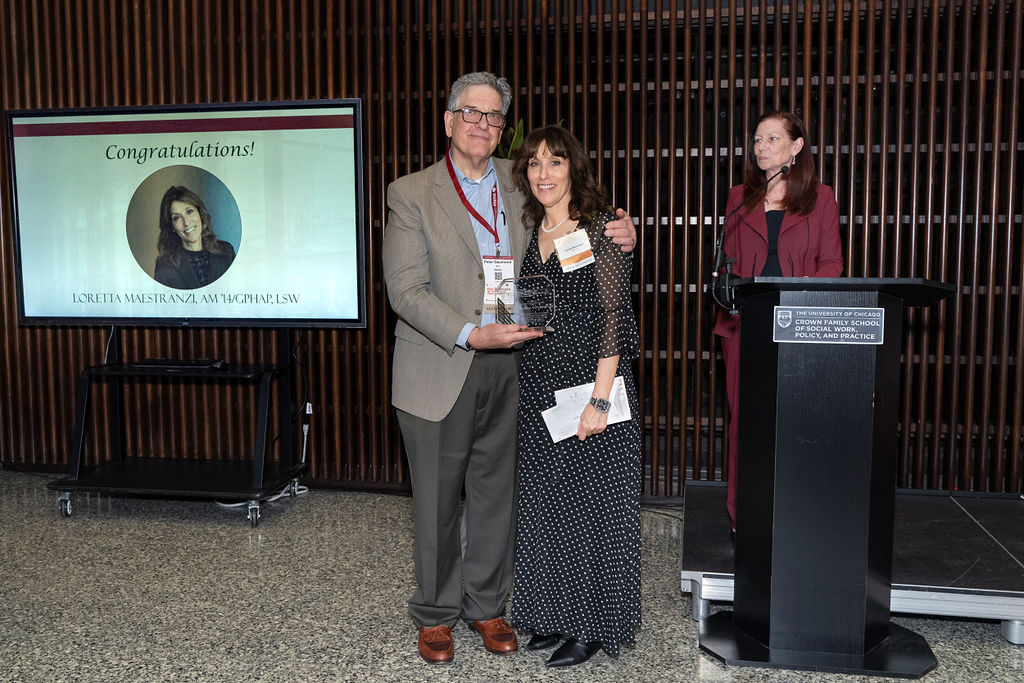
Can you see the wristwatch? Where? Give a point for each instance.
(601, 405)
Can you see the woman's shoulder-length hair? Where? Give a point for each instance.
(802, 178)
(168, 243)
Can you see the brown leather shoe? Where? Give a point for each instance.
(498, 636)
(436, 644)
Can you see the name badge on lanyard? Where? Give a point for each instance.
(574, 251)
(496, 269)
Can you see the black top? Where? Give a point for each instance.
(772, 267)
(197, 269)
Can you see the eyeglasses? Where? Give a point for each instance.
(470, 115)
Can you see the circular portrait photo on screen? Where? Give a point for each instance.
(183, 227)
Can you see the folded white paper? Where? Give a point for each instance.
(563, 418)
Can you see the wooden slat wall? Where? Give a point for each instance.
(913, 109)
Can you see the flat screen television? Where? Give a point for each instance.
(200, 215)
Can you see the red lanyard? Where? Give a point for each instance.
(472, 211)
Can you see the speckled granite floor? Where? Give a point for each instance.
(130, 589)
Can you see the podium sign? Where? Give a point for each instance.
(828, 325)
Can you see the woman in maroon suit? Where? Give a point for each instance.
(788, 227)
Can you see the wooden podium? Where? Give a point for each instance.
(819, 396)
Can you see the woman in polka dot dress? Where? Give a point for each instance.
(578, 545)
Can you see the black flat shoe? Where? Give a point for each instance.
(573, 652)
(540, 642)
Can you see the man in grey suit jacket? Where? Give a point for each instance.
(451, 227)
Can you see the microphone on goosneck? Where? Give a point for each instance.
(721, 287)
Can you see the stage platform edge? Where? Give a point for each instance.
(1006, 607)
(991, 523)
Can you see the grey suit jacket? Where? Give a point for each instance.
(435, 283)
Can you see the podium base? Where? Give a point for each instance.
(904, 654)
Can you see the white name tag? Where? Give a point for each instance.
(496, 269)
(574, 251)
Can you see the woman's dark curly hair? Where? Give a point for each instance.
(588, 197)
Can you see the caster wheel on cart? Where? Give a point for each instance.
(64, 504)
(254, 513)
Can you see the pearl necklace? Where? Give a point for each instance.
(556, 226)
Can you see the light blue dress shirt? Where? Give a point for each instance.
(478, 194)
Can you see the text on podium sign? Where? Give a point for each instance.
(828, 325)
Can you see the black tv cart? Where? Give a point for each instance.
(239, 480)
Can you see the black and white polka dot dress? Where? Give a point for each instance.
(578, 543)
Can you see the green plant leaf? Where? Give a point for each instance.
(517, 139)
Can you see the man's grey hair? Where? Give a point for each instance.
(498, 83)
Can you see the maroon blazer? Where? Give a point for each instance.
(808, 246)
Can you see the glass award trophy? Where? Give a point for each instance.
(528, 300)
